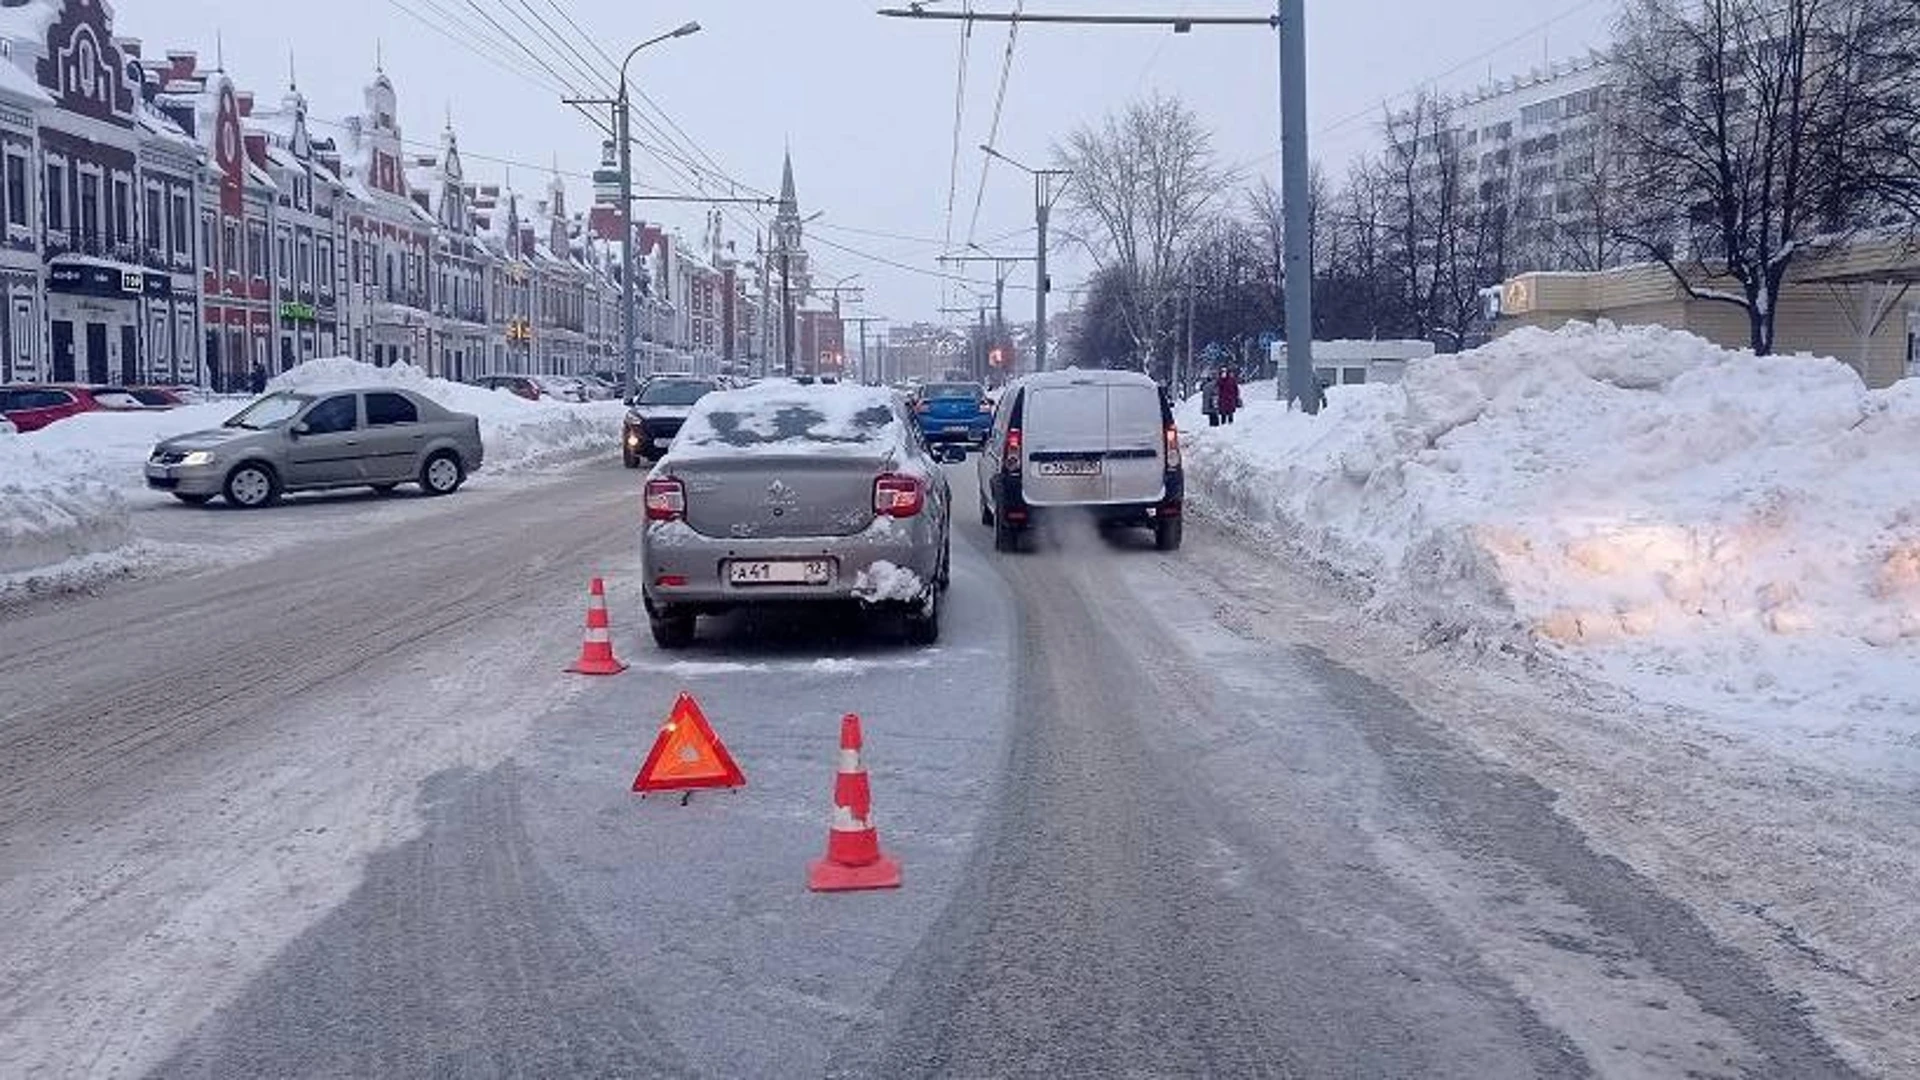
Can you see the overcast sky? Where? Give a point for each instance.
(866, 103)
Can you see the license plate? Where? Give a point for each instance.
(1067, 468)
(781, 572)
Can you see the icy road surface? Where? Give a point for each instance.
(339, 812)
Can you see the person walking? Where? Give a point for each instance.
(1227, 393)
(1210, 400)
(257, 381)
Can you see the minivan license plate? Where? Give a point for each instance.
(1067, 468)
(781, 572)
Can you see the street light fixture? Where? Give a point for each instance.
(622, 107)
(1043, 199)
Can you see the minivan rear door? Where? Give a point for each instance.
(1136, 444)
(1065, 433)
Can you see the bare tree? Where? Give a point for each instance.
(1144, 182)
(1756, 131)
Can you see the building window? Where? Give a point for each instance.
(156, 223)
(306, 263)
(16, 190)
(122, 211)
(257, 250)
(284, 253)
(56, 197)
(230, 249)
(353, 261)
(325, 258)
(181, 245)
(89, 206)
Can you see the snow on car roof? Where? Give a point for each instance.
(781, 417)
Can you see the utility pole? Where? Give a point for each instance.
(1002, 266)
(1043, 198)
(1289, 18)
(786, 311)
(1294, 193)
(866, 369)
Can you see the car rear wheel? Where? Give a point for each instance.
(441, 475)
(923, 620)
(193, 500)
(251, 486)
(1166, 533)
(1005, 536)
(671, 630)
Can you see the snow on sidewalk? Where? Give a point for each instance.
(69, 490)
(1735, 535)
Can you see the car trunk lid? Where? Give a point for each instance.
(761, 496)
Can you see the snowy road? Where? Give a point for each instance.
(338, 813)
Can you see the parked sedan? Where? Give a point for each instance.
(525, 386)
(379, 437)
(793, 494)
(32, 406)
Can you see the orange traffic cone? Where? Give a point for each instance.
(596, 653)
(853, 846)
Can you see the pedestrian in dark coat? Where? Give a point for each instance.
(1228, 393)
(1210, 400)
(257, 382)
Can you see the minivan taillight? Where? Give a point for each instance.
(666, 500)
(1011, 463)
(1173, 447)
(897, 495)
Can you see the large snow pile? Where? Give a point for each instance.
(1728, 532)
(66, 489)
(50, 513)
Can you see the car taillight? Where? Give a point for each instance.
(1011, 463)
(1173, 447)
(895, 495)
(666, 500)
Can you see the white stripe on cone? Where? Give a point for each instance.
(850, 761)
(844, 821)
(598, 635)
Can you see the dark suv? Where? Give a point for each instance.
(654, 415)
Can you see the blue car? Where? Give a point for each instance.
(953, 413)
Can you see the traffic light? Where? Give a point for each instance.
(996, 357)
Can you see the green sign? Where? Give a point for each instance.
(293, 309)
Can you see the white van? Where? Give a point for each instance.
(1100, 442)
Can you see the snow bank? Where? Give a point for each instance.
(51, 513)
(66, 491)
(1711, 529)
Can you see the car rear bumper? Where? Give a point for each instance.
(952, 431)
(688, 571)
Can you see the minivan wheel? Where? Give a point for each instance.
(251, 486)
(671, 631)
(1166, 533)
(1005, 536)
(441, 475)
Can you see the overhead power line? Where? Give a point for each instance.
(993, 129)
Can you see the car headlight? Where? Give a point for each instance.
(198, 457)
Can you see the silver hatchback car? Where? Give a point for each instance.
(379, 437)
(789, 493)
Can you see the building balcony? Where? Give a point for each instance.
(98, 245)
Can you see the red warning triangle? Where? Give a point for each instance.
(687, 754)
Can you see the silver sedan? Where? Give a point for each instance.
(792, 494)
(379, 437)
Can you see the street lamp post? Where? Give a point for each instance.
(1042, 209)
(622, 107)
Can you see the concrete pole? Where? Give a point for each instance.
(1040, 210)
(1294, 193)
(786, 309)
(626, 240)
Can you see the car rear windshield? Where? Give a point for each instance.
(270, 411)
(674, 392)
(951, 390)
(796, 419)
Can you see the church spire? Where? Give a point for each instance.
(789, 202)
